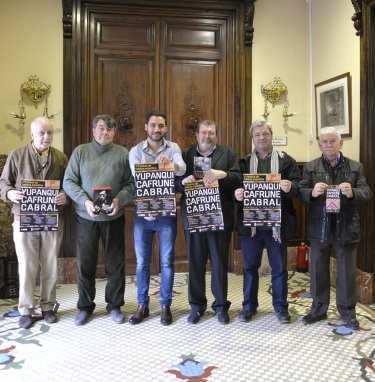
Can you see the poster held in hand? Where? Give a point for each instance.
(262, 200)
(155, 193)
(201, 166)
(203, 206)
(38, 209)
(102, 199)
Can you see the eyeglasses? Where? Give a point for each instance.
(207, 133)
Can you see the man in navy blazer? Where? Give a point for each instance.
(213, 245)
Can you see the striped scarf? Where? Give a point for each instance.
(274, 170)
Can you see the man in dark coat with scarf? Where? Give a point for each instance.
(265, 159)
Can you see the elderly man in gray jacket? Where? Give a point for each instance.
(337, 227)
(37, 160)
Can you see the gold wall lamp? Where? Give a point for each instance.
(35, 89)
(22, 114)
(273, 92)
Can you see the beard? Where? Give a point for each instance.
(156, 137)
(206, 146)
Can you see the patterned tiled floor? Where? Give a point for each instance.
(261, 350)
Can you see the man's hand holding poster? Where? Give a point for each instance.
(203, 206)
(39, 211)
(262, 200)
(154, 189)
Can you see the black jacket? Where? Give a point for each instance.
(224, 158)
(288, 170)
(347, 220)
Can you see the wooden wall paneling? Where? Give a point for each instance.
(185, 58)
(366, 248)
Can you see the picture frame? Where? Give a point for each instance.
(333, 105)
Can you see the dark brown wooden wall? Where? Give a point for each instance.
(190, 59)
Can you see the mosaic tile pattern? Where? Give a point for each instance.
(261, 350)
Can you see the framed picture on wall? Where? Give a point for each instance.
(333, 104)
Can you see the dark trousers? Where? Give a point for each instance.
(112, 234)
(201, 247)
(252, 251)
(320, 286)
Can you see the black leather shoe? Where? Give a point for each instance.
(141, 313)
(283, 316)
(311, 319)
(82, 317)
(195, 316)
(246, 315)
(223, 317)
(49, 316)
(25, 321)
(352, 323)
(166, 315)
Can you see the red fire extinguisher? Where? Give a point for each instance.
(302, 258)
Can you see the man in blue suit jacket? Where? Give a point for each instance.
(212, 245)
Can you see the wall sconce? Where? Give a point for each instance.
(22, 114)
(273, 92)
(45, 112)
(35, 89)
(285, 110)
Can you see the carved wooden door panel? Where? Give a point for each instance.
(180, 69)
(183, 62)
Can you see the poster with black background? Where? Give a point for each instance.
(262, 200)
(38, 209)
(102, 199)
(203, 207)
(155, 193)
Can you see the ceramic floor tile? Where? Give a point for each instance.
(260, 350)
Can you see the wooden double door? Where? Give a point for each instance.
(126, 58)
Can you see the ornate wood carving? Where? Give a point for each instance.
(249, 19)
(357, 17)
(125, 110)
(192, 106)
(67, 18)
(192, 114)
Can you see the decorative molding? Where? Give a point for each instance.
(125, 107)
(357, 17)
(67, 6)
(192, 106)
(125, 110)
(249, 19)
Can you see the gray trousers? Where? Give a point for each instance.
(36, 249)
(346, 286)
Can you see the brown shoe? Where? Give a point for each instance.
(25, 321)
(49, 316)
(166, 315)
(141, 313)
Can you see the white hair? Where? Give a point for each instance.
(329, 130)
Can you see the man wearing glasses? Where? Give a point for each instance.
(213, 245)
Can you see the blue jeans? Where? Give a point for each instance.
(144, 231)
(252, 249)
